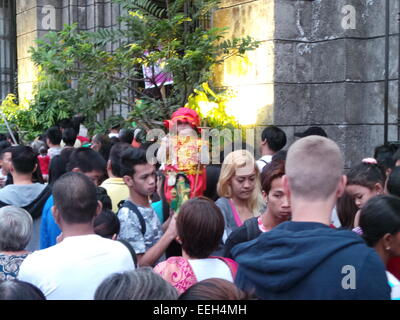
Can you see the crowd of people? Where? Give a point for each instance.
(84, 219)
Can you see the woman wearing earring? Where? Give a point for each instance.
(380, 224)
(240, 190)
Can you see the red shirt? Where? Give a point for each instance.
(44, 162)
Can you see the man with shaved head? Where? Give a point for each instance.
(305, 258)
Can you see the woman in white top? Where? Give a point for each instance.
(200, 226)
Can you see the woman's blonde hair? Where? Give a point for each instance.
(234, 160)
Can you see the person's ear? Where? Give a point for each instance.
(286, 186)
(264, 142)
(56, 215)
(109, 165)
(341, 186)
(99, 207)
(178, 239)
(11, 168)
(265, 196)
(387, 242)
(378, 188)
(128, 180)
(114, 237)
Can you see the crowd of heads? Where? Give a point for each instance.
(367, 196)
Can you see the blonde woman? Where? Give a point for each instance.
(240, 190)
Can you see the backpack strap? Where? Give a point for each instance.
(252, 230)
(35, 208)
(131, 206)
(131, 250)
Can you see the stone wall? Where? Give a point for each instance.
(324, 74)
(35, 18)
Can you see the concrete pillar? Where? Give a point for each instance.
(325, 71)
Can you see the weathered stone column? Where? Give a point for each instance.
(325, 61)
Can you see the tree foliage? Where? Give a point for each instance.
(79, 74)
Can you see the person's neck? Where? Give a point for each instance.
(269, 220)
(54, 145)
(240, 203)
(265, 151)
(74, 230)
(382, 254)
(312, 211)
(14, 253)
(110, 174)
(140, 200)
(186, 256)
(20, 179)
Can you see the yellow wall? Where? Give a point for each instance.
(250, 77)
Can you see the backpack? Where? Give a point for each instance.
(252, 230)
(131, 206)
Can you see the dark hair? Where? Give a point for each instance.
(104, 198)
(115, 157)
(19, 290)
(106, 224)
(114, 140)
(346, 210)
(280, 155)
(393, 182)
(276, 137)
(214, 289)
(54, 135)
(384, 155)
(200, 226)
(16, 136)
(75, 198)
(3, 137)
(105, 143)
(379, 216)
(4, 150)
(86, 160)
(69, 136)
(65, 123)
(138, 284)
(23, 159)
(275, 169)
(4, 145)
(130, 158)
(126, 135)
(366, 175)
(58, 164)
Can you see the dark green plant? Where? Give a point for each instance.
(89, 79)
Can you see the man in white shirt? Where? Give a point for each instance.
(273, 139)
(75, 267)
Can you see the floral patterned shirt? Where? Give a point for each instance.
(9, 265)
